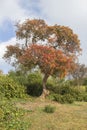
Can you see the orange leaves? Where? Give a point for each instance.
(31, 29)
(57, 36)
(13, 51)
(47, 58)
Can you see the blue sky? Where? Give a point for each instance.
(72, 13)
(6, 31)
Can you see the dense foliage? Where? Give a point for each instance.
(61, 90)
(34, 85)
(66, 92)
(10, 89)
(11, 117)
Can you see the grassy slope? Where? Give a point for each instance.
(66, 116)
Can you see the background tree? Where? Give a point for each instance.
(60, 50)
(1, 72)
(79, 73)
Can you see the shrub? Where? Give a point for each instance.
(85, 97)
(49, 109)
(60, 86)
(57, 97)
(18, 76)
(75, 91)
(51, 84)
(85, 81)
(64, 91)
(11, 117)
(34, 86)
(86, 88)
(67, 98)
(10, 89)
(78, 93)
(79, 97)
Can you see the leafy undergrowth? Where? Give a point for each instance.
(29, 114)
(12, 117)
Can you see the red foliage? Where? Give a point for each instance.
(49, 60)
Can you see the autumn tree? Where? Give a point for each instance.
(53, 48)
(48, 59)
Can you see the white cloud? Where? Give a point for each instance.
(3, 45)
(72, 13)
(64, 11)
(3, 65)
(10, 10)
(14, 11)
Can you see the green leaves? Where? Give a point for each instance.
(11, 117)
(10, 89)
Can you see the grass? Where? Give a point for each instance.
(66, 116)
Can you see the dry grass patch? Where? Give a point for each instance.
(66, 116)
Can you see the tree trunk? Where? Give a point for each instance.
(45, 91)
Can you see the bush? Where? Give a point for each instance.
(57, 97)
(79, 97)
(86, 88)
(11, 117)
(85, 97)
(19, 77)
(75, 91)
(51, 84)
(60, 86)
(64, 90)
(78, 93)
(67, 98)
(85, 81)
(10, 89)
(34, 86)
(49, 109)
